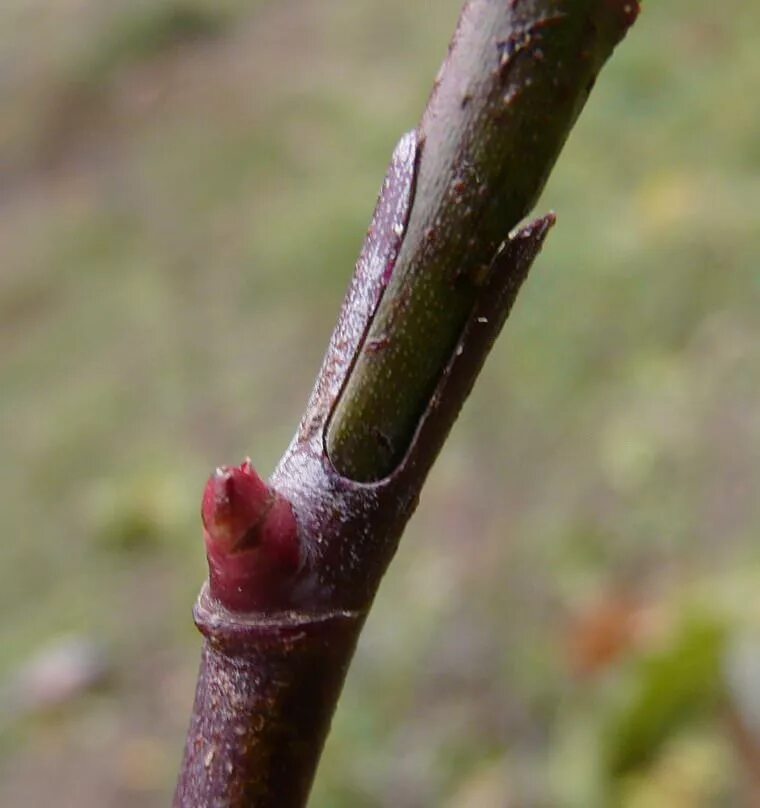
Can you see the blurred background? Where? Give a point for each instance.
(573, 618)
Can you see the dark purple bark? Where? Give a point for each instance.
(266, 692)
(269, 681)
(279, 635)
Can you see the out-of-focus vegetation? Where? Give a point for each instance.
(573, 618)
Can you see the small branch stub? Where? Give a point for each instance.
(251, 537)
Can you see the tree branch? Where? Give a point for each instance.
(295, 563)
(516, 78)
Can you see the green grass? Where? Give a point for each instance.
(175, 247)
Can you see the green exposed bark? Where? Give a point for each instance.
(516, 78)
(403, 357)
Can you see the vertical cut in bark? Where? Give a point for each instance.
(295, 563)
(517, 76)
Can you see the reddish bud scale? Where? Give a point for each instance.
(251, 538)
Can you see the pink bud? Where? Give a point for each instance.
(251, 538)
(235, 500)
